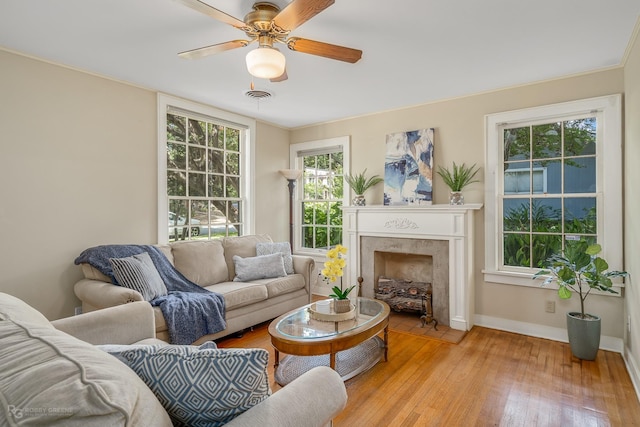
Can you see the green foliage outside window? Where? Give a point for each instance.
(322, 200)
(554, 204)
(203, 179)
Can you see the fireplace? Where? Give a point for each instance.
(410, 259)
(436, 239)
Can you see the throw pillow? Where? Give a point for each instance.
(201, 386)
(277, 247)
(259, 267)
(50, 378)
(138, 272)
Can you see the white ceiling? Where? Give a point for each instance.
(415, 51)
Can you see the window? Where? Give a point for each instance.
(549, 188)
(321, 196)
(203, 164)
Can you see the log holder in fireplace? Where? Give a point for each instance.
(406, 295)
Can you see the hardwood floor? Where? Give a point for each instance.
(491, 378)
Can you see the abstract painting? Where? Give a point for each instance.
(408, 168)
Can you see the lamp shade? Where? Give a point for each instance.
(292, 174)
(265, 62)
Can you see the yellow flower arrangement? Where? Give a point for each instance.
(333, 269)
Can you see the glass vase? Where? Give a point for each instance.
(456, 198)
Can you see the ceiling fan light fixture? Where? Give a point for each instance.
(265, 62)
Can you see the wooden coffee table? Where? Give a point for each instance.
(297, 334)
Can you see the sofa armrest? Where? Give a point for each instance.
(99, 294)
(304, 265)
(311, 400)
(124, 324)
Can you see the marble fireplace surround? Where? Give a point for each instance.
(439, 277)
(421, 224)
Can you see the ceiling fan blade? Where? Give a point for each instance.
(213, 12)
(210, 50)
(327, 50)
(298, 12)
(280, 78)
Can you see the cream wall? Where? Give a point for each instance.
(272, 197)
(632, 207)
(78, 168)
(459, 137)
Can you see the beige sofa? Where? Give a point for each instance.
(54, 375)
(210, 264)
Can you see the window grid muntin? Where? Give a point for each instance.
(565, 237)
(325, 199)
(186, 228)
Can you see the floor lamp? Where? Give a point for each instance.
(292, 176)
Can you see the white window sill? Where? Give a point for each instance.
(525, 279)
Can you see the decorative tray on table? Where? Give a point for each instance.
(319, 311)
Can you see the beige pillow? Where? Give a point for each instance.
(50, 378)
(202, 262)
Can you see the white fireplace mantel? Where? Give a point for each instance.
(432, 222)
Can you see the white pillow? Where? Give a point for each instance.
(259, 267)
(264, 248)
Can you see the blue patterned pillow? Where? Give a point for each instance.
(196, 386)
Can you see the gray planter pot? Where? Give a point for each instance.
(584, 335)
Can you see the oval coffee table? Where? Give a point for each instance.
(349, 347)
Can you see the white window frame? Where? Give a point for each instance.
(296, 163)
(247, 172)
(608, 110)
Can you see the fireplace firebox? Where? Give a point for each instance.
(408, 295)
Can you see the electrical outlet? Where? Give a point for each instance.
(550, 306)
(78, 310)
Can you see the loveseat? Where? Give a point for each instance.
(211, 264)
(60, 374)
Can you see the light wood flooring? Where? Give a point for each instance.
(490, 378)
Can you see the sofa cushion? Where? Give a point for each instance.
(283, 285)
(166, 250)
(239, 294)
(138, 272)
(284, 248)
(201, 386)
(243, 246)
(258, 267)
(202, 262)
(50, 378)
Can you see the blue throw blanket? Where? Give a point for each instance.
(189, 310)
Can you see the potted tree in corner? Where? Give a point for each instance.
(457, 179)
(580, 270)
(359, 183)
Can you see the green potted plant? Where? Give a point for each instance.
(359, 183)
(457, 179)
(580, 270)
(332, 270)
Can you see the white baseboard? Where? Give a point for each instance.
(541, 331)
(632, 368)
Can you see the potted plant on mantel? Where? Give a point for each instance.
(580, 270)
(359, 183)
(457, 179)
(332, 271)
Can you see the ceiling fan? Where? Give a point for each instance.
(267, 24)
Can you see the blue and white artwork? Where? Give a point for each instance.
(408, 168)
